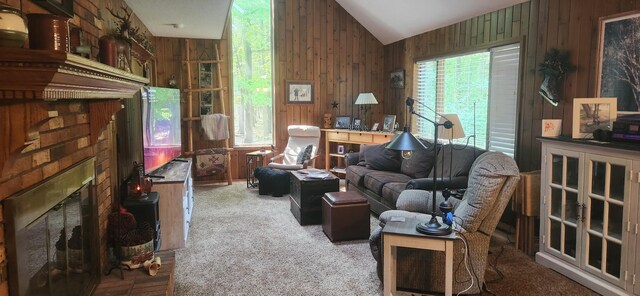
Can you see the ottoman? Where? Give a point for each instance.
(270, 181)
(345, 216)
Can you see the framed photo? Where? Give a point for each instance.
(57, 7)
(617, 35)
(374, 127)
(342, 122)
(340, 149)
(299, 92)
(356, 123)
(592, 114)
(388, 123)
(396, 78)
(551, 127)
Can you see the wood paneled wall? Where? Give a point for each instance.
(318, 40)
(540, 25)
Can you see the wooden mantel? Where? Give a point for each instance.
(54, 75)
(31, 80)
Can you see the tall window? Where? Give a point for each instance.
(252, 83)
(481, 88)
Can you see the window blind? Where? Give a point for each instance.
(503, 97)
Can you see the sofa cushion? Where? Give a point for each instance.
(355, 174)
(375, 180)
(486, 179)
(420, 163)
(391, 191)
(378, 157)
(459, 164)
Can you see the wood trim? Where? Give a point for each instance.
(52, 75)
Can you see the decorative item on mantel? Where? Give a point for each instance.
(115, 49)
(554, 68)
(13, 29)
(48, 31)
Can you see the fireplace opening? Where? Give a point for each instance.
(52, 240)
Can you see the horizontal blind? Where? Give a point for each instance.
(426, 95)
(503, 96)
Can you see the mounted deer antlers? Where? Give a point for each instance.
(125, 21)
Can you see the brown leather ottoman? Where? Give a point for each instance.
(345, 216)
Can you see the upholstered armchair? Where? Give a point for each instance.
(300, 136)
(492, 181)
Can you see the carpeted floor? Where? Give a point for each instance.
(241, 243)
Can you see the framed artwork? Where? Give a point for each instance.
(342, 122)
(57, 7)
(551, 127)
(617, 67)
(388, 123)
(340, 149)
(396, 78)
(299, 92)
(374, 127)
(592, 114)
(356, 123)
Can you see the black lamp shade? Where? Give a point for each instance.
(406, 141)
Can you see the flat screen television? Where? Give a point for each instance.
(161, 134)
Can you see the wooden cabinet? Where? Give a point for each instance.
(176, 202)
(338, 136)
(589, 214)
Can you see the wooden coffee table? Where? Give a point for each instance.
(306, 196)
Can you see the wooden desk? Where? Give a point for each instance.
(404, 234)
(349, 137)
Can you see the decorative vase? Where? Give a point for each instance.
(48, 31)
(13, 30)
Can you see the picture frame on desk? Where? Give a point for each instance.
(357, 124)
(590, 114)
(374, 128)
(342, 122)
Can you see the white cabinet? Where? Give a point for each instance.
(175, 202)
(589, 213)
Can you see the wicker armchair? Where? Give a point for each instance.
(492, 180)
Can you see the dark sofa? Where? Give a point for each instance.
(381, 174)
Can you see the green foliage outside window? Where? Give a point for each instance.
(252, 68)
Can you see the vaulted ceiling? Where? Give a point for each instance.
(389, 21)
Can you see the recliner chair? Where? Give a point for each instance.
(492, 180)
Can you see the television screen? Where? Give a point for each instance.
(160, 126)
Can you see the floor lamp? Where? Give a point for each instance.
(407, 142)
(366, 99)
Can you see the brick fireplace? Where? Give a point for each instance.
(55, 114)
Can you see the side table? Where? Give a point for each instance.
(254, 160)
(404, 234)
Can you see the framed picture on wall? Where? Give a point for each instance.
(396, 78)
(617, 67)
(592, 114)
(299, 92)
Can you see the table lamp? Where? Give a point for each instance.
(366, 99)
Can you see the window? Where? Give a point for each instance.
(480, 87)
(252, 67)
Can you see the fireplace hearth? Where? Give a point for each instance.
(52, 234)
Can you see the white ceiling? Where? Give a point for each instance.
(390, 21)
(387, 20)
(203, 19)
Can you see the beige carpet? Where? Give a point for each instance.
(241, 243)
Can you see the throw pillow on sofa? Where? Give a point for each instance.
(420, 163)
(378, 157)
